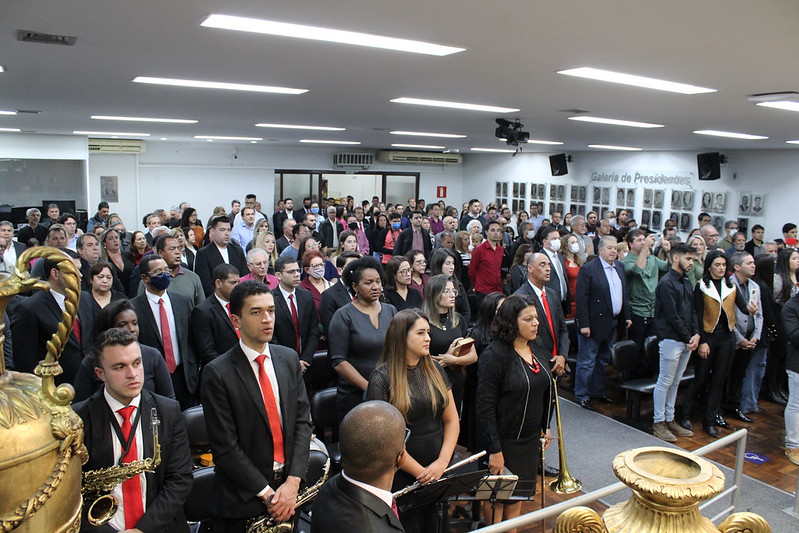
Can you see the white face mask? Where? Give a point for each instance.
(555, 245)
(733, 232)
(612, 221)
(530, 235)
(574, 247)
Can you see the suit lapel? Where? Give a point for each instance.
(217, 308)
(149, 319)
(369, 500)
(244, 371)
(284, 379)
(101, 453)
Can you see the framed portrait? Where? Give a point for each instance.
(630, 198)
(718, 223)
(707, 201)
(109, 188)
(581, 209)
(688, 200)
(597, 195)
(553, 192)
(675, 217)
(561, 193)
(646, 217)
(606, 195)
(647, 198)
(743, 225)
(542, 191)
(573, 196)
(583, 193)
(685, 222)
(744, 204)
(573, 209)
(560, 208)
(676, 199)
(758, 205)
(595, 209)
(657, 220)
(620, 196)
(551, 208)
(719, 203)
(658, 201)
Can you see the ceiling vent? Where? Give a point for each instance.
(352, 160)
(116, 146)
(394, 156)
(45, 38)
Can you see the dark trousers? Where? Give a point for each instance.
(711, 371)
(182, 394)
(641, 328)
(740, 362)
(775, 379)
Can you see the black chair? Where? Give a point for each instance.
(322, 374)
(324, 416)
(197, 432)
(652, 351)
(198, 505)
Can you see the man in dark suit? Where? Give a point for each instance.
(359, 498)
(218, 251)
(330, 229)
(602, 308)
(414, 237)
(211, 329)
(36, 319)
(164, 324)
(13, 249)
(296, 322)
(286, 214)
(338, 295)
(116, 408)
(256, 404)
(558, 282)
(287, 238)
(553, 335)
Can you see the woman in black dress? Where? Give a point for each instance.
(447, 327)
(398, 290)
(514, 398)
(356, 332)
(121, 261)
(418, 387)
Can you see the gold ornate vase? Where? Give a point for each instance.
(668, 484)
(41, 438)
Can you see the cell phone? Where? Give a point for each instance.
(463, 346)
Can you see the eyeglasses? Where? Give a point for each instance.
(159, 272)
(318, 265)
(405, 271)
(420, 262)
(292, 271)
(407, 435)
(453, 292)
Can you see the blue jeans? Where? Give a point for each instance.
(753, 379)
(674, 358)
(592, 358)
(792, 412)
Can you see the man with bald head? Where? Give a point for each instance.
(372, 444)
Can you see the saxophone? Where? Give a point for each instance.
(267, 524)
(97, 485)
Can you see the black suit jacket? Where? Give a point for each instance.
(326, 231)
(554, 283)
(170, 484)
(285, 334)
(149, 334)
(33, 323)
(545, 339)
(282, 243)
(594, 305)
(404, 242)
(208, 258)
(332, 299)
(239, 429)
(341, 507)
(211, 330)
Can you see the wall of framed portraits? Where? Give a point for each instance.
(756, 187)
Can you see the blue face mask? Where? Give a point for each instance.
(315, 210)
(395, 225)
(161, 281)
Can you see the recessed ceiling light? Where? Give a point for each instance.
(209, 140)
(299, 127)
(792, 142)
(316, 33)
(2, 68)
(218, 85)
(616, 122)
(111, 133)
(611, 147)
(227, 138)
(496, 150)
(253, 142)
(320, 141)
(784, 105)
(10, 129)
(454, 105)
(143, 119)
(163, 138)
(420, 146)
(8, 112)
(637, 81)
(537, 141)
(730, 134)
(427, 134)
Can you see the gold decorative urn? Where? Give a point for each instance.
(668, 484)
(41, 438)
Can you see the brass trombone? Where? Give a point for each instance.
(565, 484)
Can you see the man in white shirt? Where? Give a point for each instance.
(550, 243)
(13, 249)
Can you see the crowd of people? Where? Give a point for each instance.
(455, 316)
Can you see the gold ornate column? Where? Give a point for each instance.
(41, 438)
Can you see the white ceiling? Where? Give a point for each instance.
(514, 48)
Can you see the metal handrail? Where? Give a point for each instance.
(738, 437)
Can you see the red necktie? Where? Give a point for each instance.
(296, 319)
(131, 489)
(271, 410)
(549, 321)
(394, 507)
(76, 328)
(166, 338)
(238, 333)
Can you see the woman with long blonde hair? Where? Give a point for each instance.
(268, 242)
(409, 379)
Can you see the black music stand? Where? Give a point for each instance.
(439, 492)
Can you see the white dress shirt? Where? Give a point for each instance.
(173, 332)
(223, 252)
(286, 295)
(386, 496)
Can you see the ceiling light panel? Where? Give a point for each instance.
(144, 119)
(792, 142)
(8, 112)
(493, 150)
(454, 105)
(10, 129)
(323, 141)
(111, 133)
(317, 33)
(227, 138)
(730, 135)
(785, 105)
(611, 147)
(616, 122)
(419, 146)
(636, 81)
(429, 134)
(217, 85)
(299, 127)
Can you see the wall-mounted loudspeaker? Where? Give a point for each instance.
(557, 164)
(709, 165)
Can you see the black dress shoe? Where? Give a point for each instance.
(711, 430)
(784, 394)
(720, 422)
(773, 397)
(549, 471)
(586, 404)
(742, 417)
(607, 399)
(686, 424)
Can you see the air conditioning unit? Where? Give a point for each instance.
(393, 156)
(353, 161)
(116, 146)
